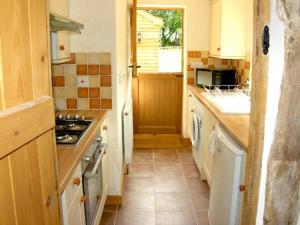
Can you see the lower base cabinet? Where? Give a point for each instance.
(73, 200)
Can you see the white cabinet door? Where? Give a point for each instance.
(76, 214)
(209, 123)
(215, 36)
(60, 7)
(190, 114)
(73, 200)
(60, 41)
(228, 29)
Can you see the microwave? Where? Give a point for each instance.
(209, 77)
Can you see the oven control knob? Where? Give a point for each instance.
(87, 159)
(99, 139)
(76, 117)
(83, 118)
(68, 117)
(60, 117)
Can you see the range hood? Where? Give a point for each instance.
(59, 23)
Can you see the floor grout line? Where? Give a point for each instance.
(188, 192)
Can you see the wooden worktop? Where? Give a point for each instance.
(69, 157)
(236, 125)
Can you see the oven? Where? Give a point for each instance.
(93, 178)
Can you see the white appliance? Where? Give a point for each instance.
(225, 202)
(197, 127)
(128, 131)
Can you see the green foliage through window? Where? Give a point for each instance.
(171, 32)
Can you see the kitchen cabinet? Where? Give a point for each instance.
(73, 200)
(228, 29)
(190, 114)
(28, 176)
(208, 125)
(60, 41)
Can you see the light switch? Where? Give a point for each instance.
(83, 81)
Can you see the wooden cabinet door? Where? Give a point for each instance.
(28, 190)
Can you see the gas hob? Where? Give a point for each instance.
(70, 129)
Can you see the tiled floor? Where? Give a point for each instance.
(162, 188)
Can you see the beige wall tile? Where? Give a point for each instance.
(204, 54)
(59, 92)
(105, 58)
(105, 93)
(80, 58)
(191, 74)
(61, 103)
(70, 69)
(71, 93)
(94, 58)
(94, 81)
(211, 61)
(57, 70)
(83, 104)
(71, 81)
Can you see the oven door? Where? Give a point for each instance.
(93, 185)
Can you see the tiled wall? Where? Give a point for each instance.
(241, 66)
(84, 82)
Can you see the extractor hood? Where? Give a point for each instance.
(59, 23)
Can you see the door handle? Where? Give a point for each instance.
(132, 66)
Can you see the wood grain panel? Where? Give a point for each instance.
(157, 103)
(28, 179)
(6, 195)
(16, 52)
(25, 122)
(39, 54)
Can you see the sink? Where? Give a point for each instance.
(230, 102)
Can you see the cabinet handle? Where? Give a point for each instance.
(192, 110)
(83, 199)
(76, 181)
(219, 49)
(126, 113)
(61, 47)
(242, 188)
(190, 96)
(104, 128)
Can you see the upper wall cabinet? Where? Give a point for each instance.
(60, 41)
(228, 29)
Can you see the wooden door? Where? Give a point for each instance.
(157, 103)
(157, 96)
(28, 190)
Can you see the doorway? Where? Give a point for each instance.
(157, 88)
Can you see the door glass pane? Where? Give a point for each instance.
(159, 40)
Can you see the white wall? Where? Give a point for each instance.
(276, 64)
(105, 31)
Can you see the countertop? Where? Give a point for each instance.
(236, 125)
(69, 157)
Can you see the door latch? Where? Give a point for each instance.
(266, 40)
